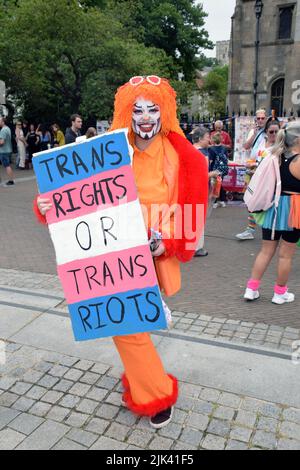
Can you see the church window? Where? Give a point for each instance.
(277, 96)
(285, 22)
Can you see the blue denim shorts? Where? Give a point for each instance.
(5, 159)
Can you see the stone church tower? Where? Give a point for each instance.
(278, 59)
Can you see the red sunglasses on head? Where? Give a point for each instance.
(153, 79)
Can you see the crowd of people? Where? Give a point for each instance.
(30, 139)
(215, 145)
(269, 137)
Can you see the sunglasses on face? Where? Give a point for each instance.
(260, 119)
(273, 132)
(153, 79)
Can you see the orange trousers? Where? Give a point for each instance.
(148, 389)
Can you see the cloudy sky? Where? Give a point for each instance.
(218, 23)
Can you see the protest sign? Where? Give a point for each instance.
(243, 125)
(97, 228)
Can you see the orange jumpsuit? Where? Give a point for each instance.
(148, 389)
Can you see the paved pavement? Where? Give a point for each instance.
(212, 286)
(24, 244)
(58, 394)
(19, 175)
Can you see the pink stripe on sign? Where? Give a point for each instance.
(104, 275)
(92, 194)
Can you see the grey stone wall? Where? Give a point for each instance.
(277, 58)
(222, 52)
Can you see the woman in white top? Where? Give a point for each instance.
(21, 144)
(271, 130)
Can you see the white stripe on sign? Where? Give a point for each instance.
(114, 229)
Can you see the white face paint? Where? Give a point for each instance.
(146, 121)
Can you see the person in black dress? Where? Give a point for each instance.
(33, 141)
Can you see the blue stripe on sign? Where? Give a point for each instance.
(64, 165)
(126, 313)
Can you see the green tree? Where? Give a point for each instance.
(93, 3)
(58, 57)
(208, 61)
(176, 26)
(215, 88)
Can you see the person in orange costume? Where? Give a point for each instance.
(168, 170)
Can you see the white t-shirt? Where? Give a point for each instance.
(259, 146)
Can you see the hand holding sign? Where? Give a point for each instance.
(44, 205)
(160, 250)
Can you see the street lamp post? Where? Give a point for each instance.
(258, 12)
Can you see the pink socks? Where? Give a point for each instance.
(253, 284)
(280, 290)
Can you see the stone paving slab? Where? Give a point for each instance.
(204, 418)
(213, 411)
(273, 337)
(212, 286)
(43, 302)
(255, 376)
(20, 176)
(31, 282)
(236, 331)
(12, 320)
(55, 333)
(233, 370)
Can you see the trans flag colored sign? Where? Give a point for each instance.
(96, 225)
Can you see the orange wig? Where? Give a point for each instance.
(162, 95)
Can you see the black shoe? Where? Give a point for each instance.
(201, 252)
(161, 419)
(9, 183)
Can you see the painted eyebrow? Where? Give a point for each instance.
(148, 106)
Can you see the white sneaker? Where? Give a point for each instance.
(251, 294)
(215, 205)
(246, 235)
(283, 298)
(222, 204)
